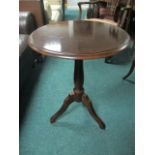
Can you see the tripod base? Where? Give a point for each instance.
(78, 96)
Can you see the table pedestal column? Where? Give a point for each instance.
(78, 95)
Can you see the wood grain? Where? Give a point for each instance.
(79, 40)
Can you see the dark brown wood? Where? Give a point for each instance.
(63, 9)
(78, 75)
(78, 95)
(110, 6)
(79, 40)
(87, 102)
(130, 70)
(68, 100)
(34, 6)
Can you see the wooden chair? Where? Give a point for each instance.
(132, 66)
(104, 10)
(114, 13)
(130, 70)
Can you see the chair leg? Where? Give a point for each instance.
(40, 59)
(131, 70)
(108, 60)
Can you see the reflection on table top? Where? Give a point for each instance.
(79, 39)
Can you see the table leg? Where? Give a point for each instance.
(87, 102)
(130, 71)
(69, 99)
(78, 95)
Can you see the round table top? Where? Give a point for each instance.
(79, 40)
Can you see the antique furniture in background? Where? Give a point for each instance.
(121, 14)
(37, 9)
(27, 57)
(27, 24)
(95, 7)
(130, 70)
(132, 65)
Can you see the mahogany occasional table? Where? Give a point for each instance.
(79, 40)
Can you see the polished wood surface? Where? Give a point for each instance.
(78, 95)
(79, 40)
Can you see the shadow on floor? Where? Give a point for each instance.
(26, 92)
(130, 81)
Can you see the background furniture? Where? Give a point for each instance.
(130, 70)
(95, 8)
(132, 66)
(27, 57)
(27, 24)
(121, 14)
(127, 22)
(84, 40)
(36, 7)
